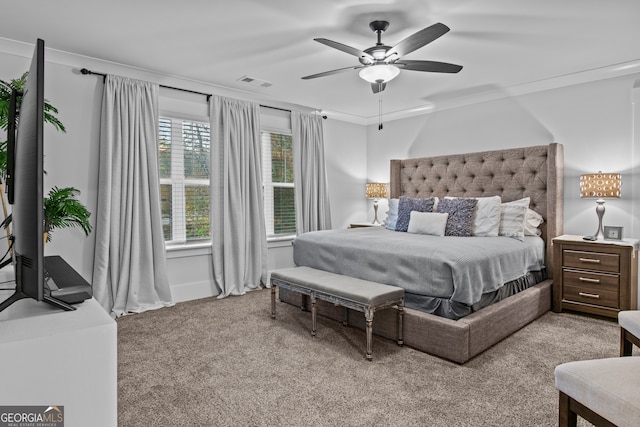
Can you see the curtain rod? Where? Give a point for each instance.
(208, 95)
(275, 108)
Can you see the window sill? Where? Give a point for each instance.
(280, 241)
(187, 250)
(204, 248)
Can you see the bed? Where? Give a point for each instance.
(535, 172)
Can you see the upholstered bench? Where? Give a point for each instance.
(349, 292)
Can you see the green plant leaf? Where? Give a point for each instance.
(63, 210)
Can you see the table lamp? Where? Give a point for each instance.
(376, 190)
(600, 185)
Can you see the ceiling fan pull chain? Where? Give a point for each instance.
(380, 110)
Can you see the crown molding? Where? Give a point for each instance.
(25, 50)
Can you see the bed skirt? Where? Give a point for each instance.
(444, 307)
(455, 340)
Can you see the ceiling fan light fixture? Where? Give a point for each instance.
(379, 72)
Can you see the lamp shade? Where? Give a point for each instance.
(377, 72)
(600, 185)
(377, 190)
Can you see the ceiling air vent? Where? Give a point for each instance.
(255, 82)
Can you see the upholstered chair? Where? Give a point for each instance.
(629, 322)
(605, 392)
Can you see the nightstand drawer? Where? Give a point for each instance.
(591, 288)
(597, 261)
(591, 295)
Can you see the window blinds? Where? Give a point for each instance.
(277, 168)
(184, 159)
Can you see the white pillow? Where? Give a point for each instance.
(432, 223)
(532, 218)
(520, 202)
(531, 223)
(392, 214)
(512, 220)
(486, 217)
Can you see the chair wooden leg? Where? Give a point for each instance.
(627, 341)
(626, 346)
(566, 418)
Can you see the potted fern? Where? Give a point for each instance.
(63, 210)
(61, 206)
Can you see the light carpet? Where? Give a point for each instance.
(225, 362)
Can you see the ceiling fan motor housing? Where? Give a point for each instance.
(381, 63)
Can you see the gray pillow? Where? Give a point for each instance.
(460, 212)
(408, 204)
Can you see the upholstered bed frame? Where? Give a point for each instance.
(535, 172)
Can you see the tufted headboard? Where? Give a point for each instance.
(513, 173)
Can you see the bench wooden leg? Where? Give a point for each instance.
(273, 301)
(400, 319)
(368, 314)
(313, 314)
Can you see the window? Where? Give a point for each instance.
(277, 171)
(184, 155)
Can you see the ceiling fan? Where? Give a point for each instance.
(382, 63)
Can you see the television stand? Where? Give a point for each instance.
(63, 283)
(63, 286)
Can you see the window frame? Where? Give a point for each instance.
(266, 183)
(179, 182)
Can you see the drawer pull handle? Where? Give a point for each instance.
(586, 279)
(584, 294)
(590, 260)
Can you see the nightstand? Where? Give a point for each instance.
(599, 277)
(363, 224)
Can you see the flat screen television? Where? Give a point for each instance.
(25, 170)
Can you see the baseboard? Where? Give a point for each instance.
(191, 291)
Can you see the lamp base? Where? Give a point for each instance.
(375, 210)
(599, 232)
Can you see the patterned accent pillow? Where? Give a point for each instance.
(408, 204)
(486, 218)
(460, 215)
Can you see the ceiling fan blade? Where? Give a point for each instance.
(329, 73)
(431, 66)
(347, 49)
(417, 40)
(378, 87)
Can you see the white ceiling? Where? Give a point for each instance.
(502, 44)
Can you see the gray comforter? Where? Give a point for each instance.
(457, 268)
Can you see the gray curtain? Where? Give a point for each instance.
(310, 176)
(129, 273)
(237, 213)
